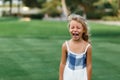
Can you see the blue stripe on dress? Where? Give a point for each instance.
(74, 62)
(71, 60)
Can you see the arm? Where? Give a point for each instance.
(89, 62)
(63, 61)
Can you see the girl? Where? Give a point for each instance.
(76, 59)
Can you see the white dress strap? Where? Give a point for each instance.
(67, 45)
(87, 48)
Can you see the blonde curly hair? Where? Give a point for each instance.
(83, 21)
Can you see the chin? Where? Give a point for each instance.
(76, 39)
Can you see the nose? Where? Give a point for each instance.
(75, 29)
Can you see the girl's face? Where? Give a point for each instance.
(76, 30)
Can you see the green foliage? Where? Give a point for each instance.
(80, 6)
(52, 8)
(94, 15)
(37, 16)
(106, 7)
(111, 18)
(95, 9)
(34, 3)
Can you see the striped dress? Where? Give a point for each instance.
(75, 68)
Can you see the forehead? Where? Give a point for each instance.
(73, 22)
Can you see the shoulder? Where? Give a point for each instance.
(88, 44)
(64, 46)
(89, 49)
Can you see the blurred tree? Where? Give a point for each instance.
(119, 3)
(64, 8)
(18, 5)
(34, 3)
(10, 5)
(52, 8)
(116, 7)
(119, 8)
(107, 7)
(80, 6)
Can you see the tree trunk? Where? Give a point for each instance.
(10, 11)
(64, 8)
(18, 5)
(83, 7)
(119, 4)
(118, 8)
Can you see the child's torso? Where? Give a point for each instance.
(76, 61)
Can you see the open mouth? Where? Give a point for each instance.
(75, 34)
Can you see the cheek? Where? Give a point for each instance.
(81, 30)
(70, 30)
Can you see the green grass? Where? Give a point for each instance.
(106, 44)
(32, 50)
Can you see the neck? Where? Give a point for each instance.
(76, 41)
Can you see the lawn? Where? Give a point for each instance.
(32, 50)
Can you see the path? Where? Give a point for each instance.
(107, 22)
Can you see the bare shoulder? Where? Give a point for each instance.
(87, 43)
(64, 46)
(89, 48)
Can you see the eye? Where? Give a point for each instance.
(78, 27)
(72, 27)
